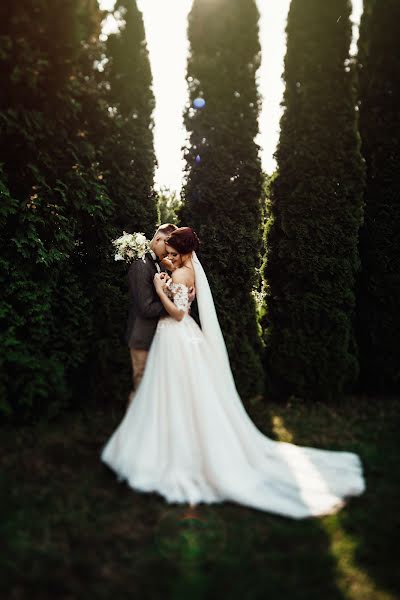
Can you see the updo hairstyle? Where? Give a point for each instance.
(184, 240)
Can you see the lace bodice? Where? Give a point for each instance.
(179, 294)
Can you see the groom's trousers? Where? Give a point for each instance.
(138, 358)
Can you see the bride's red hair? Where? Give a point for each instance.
(184, 240)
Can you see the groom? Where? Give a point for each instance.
(145, 307)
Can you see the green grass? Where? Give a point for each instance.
(70, 530)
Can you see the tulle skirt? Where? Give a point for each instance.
(187, 436)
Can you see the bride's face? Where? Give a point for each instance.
(173, 255)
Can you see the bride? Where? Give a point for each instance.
(187, 436)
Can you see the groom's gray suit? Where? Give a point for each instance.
(145, 306)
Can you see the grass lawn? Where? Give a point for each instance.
(70, 530)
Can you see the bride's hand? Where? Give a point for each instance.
(168, 264)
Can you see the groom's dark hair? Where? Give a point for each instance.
(166, 229)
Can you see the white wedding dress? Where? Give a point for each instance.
(187, 435)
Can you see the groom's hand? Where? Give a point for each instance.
(192, 293)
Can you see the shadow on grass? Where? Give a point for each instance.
(71, 530)
(363, 535)
(376, 525)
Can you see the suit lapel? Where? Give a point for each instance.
(151, 261)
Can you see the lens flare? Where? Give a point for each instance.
(199, 103)
(191, 535)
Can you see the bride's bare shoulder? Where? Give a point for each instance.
(183, 275)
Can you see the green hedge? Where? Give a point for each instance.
(315, 211)
(64, 304)
(223, 187)
(378, 324)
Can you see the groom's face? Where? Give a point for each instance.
(158, 245)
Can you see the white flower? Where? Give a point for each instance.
(131, 246)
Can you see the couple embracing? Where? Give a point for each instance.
(146, 306)
(186, 435)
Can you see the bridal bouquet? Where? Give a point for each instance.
(131, 246)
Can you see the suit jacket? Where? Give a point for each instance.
(145, 306)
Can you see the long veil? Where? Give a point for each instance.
(210, 324)
(212, 332)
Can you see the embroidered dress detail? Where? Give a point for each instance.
(179, 293)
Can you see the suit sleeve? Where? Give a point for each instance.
(141, 286)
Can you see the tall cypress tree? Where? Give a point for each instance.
(315, 210)
(129, 157)
(124, 142)
(51, 194)
(379, 285)
(222, 191)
